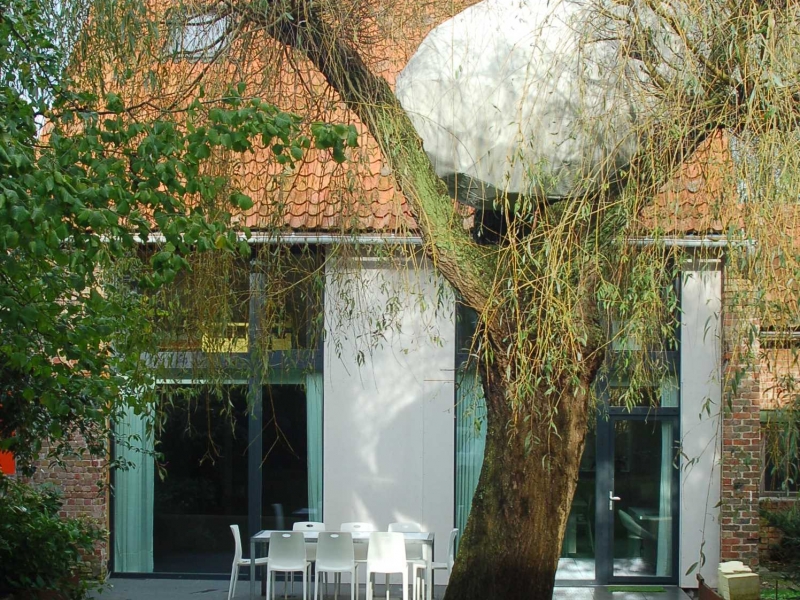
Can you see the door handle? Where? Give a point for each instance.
(611, 499)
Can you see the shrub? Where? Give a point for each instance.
(788, 521)
(41, 553)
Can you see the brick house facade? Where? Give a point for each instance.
(741, 436)
(83, 481)
(747, 390)
(742, 536)
(756, 380)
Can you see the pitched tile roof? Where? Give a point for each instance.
(705, 197)
(319, 194)
(322, 195)
(362, 195)
(701, 197)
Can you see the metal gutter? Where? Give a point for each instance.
(707, 241)
(313, 238)
(711, 241)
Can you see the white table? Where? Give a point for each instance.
(359, 537)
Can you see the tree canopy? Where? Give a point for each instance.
(81, 187)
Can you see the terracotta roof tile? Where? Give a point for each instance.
(701, 198)
(320, 194)
(317, 194)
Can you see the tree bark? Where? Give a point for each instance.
(512, 542)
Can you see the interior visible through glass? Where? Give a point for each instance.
(284, 466)
(205, 489)
(205, 485)
(578, 549)
(643, 482)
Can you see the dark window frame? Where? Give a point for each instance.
(777, 422)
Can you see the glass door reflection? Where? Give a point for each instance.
(641, 499)
(577, 562)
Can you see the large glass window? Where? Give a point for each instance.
(470, 441)
(284, 466)
(578, 548)
(662, 395)
(177, 520)
(623, 521)
(209, 308)
(290, 309)
(470, 416)
(196, 37)
(206, 309)
(203, 488)
(245, 450)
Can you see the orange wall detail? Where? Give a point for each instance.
(7, 466)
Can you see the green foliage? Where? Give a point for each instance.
(779, 593)
(40, 550)
(76, 197)
(788, 522)
(335, 138)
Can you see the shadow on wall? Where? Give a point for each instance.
(389, 422)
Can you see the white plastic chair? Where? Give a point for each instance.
(287, 554)
(387, 554)
(239, 561)
(451, 559)
(636, 534)
(311, 548)
(335, 555)
(360, 550)
(416, 552)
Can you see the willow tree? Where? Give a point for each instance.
(625, 92)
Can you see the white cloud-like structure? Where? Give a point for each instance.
(531, 97)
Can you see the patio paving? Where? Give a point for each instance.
(217, 589)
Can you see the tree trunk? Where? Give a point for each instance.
(512, 542)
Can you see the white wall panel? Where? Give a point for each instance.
(388, 404)
(701, 404)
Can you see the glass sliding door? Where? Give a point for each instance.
(284, 462)
(623, 524)
(225, 459)
(577, 562)
(641, 502)
(246, 449)
(204, 487)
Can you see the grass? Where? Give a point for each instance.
(779, 581)
(636, 588)
(782, 594)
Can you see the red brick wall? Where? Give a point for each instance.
(741, 475)
(83, 481)
(741, 432)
